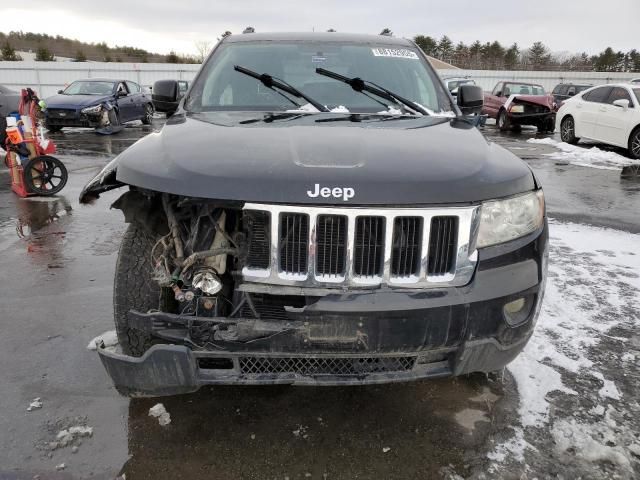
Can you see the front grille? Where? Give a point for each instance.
(532, 109)
(294, 241)
(368, 252)
(259, 250)
(331, 244)
(442, 245)
(407, 242)
(364, 247)
(61, 113)
(324, 365)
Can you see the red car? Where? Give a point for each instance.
(514, 104)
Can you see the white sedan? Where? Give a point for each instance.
(608, 113)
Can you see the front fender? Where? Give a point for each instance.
(102, 182)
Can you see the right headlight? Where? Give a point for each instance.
(511, 218)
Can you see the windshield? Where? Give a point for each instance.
(401, 70)
(636, 91)
(89, 88)
(523, 89)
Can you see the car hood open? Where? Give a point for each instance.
(386, 161)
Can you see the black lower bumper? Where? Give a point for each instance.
(174, 369)
(359, 338)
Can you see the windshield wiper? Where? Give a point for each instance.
(360, 85)
(273, 83)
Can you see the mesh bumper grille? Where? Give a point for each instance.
(324, 365)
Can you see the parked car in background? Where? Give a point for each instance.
(453, 83)
(635, 81)
(564, 91)
(167, 94)
(514, 104)
(9, 100)
(100, 103)
(609, 114)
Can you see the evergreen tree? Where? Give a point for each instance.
(44, 55)
(428, 44)
(539, 56)
(8, 53)
(512, 57)
(445, 49)
(173, 57)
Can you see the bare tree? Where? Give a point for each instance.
(203, 47)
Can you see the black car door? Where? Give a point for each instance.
(126, 103)
(138, 98)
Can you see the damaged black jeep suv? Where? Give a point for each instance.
(318, 211)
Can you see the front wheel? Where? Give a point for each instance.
(502, 122)
(134, 288)
(148, 114)
(634, 143)
(568, 131)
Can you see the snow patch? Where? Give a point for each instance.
(593, 278)
(158, 411)
(36, 404)
(579, 437)
(306, 108)
(340, 109)
(70, 435)
(593, 157)
(109, 338)
(609, 388)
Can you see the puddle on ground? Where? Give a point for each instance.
(468, 418)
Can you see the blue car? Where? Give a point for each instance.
(100, 103)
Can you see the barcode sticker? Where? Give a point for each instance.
(395, 53)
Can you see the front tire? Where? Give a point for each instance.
(568, 131)
(134, 288)
(634, 143)
(148, 114)
(502, 121)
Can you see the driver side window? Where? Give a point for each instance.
(497, 91)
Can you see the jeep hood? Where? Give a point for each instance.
(385, 160)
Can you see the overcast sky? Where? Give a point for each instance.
(162, 25)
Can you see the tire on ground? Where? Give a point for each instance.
(134, 289)
(634, 143)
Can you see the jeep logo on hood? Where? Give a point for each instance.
(345, 193)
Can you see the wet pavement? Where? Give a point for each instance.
(58, 260)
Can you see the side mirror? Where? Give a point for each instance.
(470, 99)
(60, 92)
(622, 103)
(499, 93)
(166, 91)
(121, 93)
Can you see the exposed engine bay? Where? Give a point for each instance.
(197, 262)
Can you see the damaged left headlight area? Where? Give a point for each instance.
(200, 248)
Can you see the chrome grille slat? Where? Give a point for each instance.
(293, 243)
(339, 247)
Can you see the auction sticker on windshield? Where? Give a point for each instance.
(394, 52)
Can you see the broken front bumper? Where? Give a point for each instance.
(355, 338)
